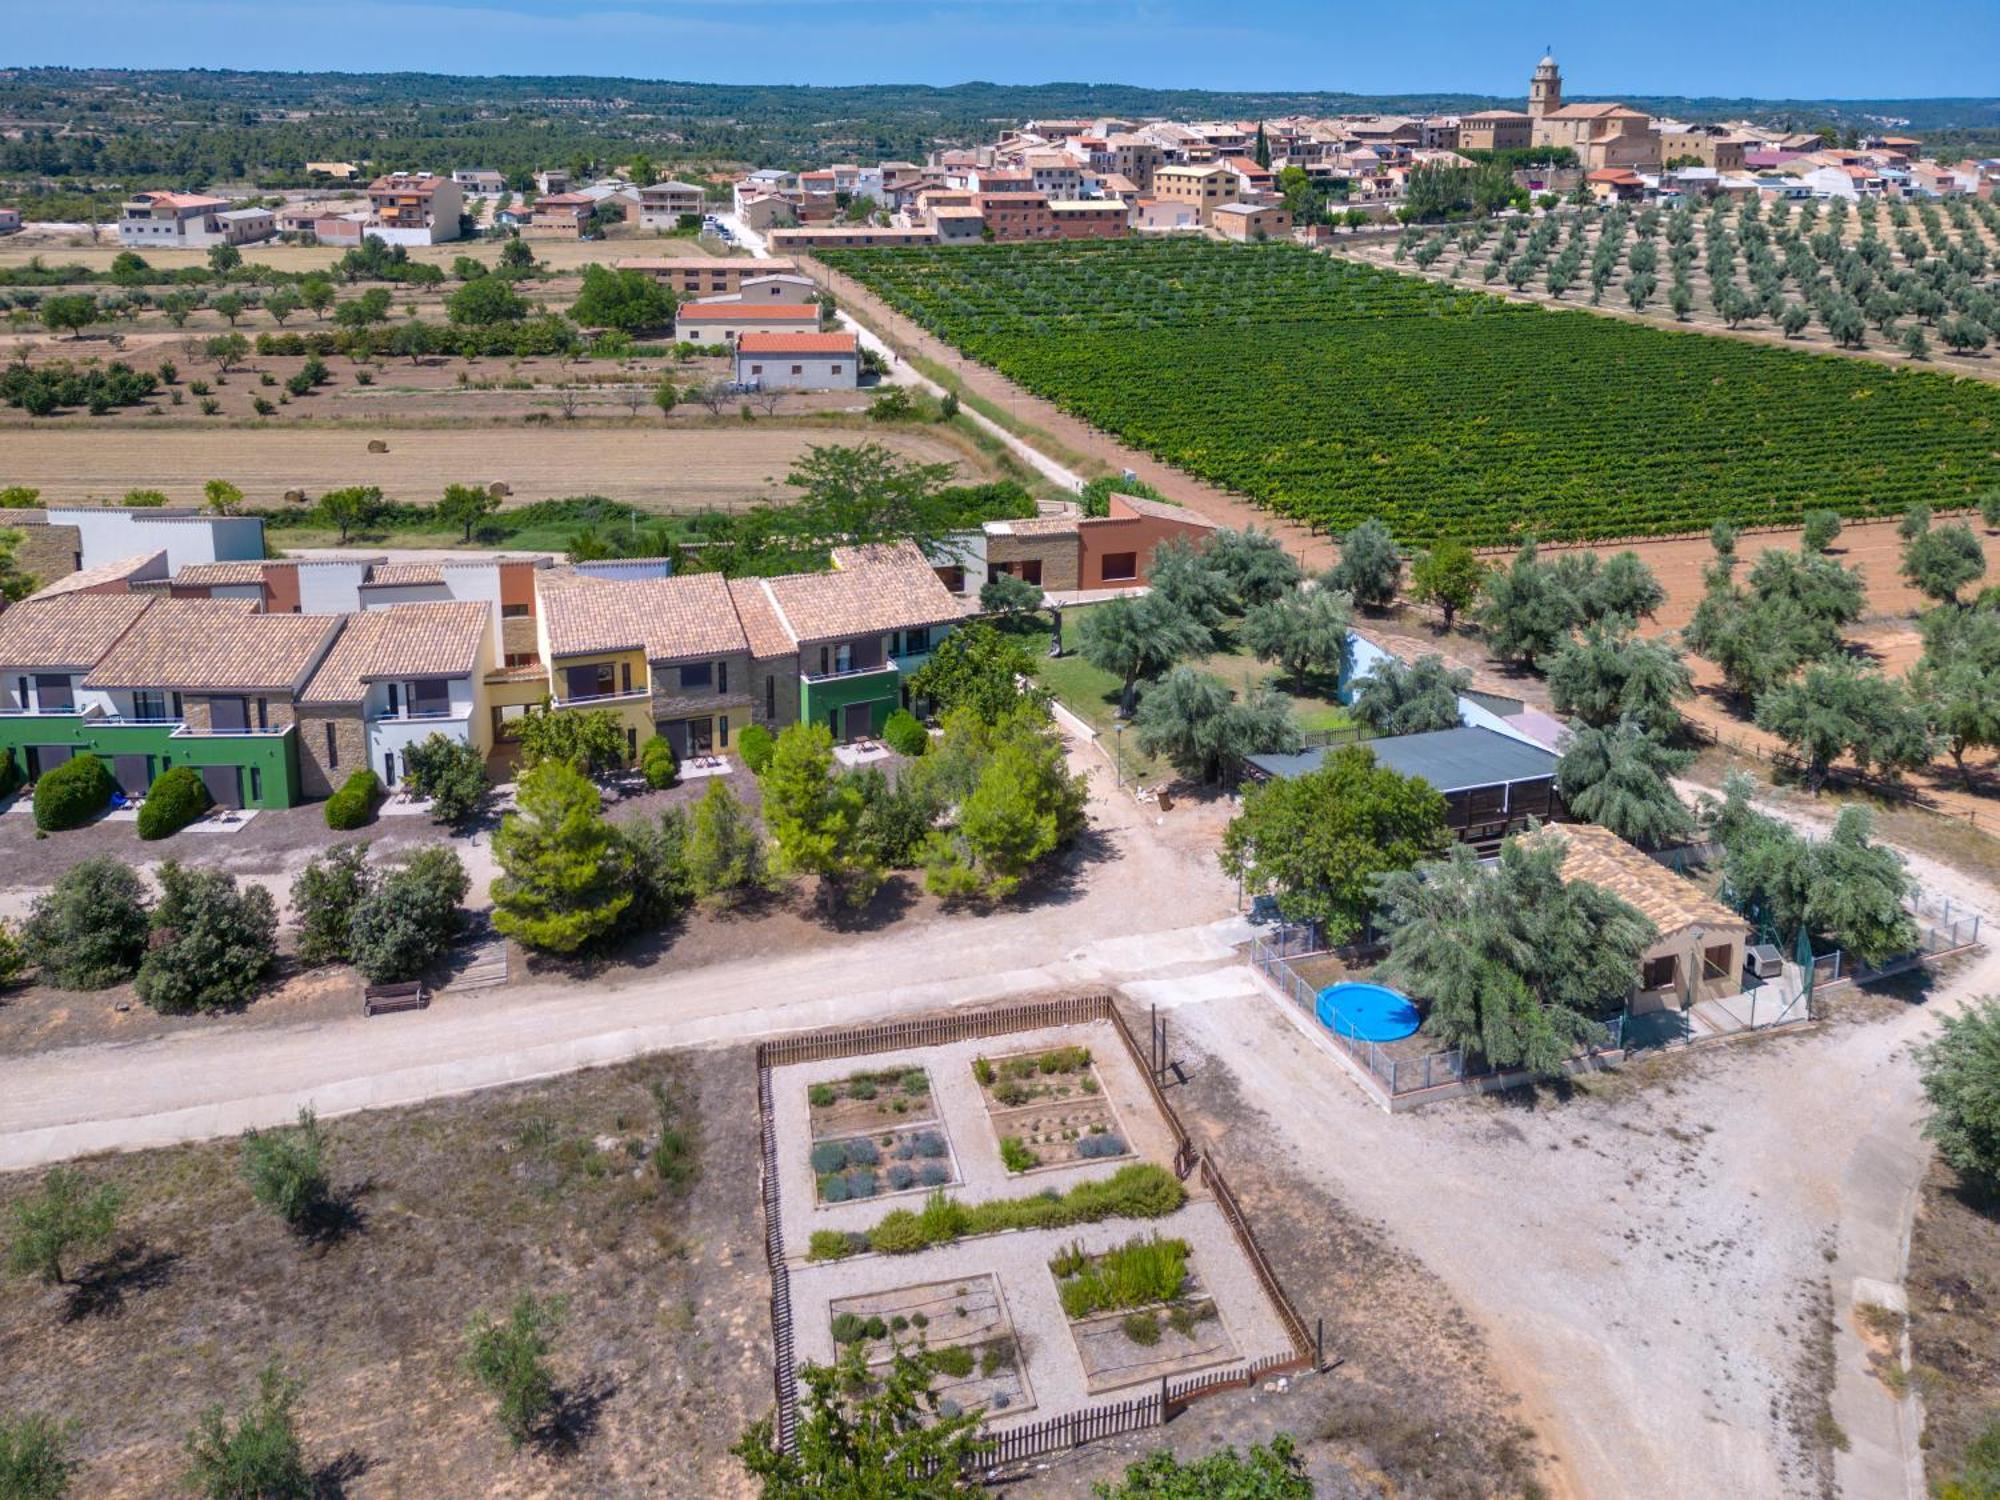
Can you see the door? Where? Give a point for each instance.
(857, 721)
(224, 783)
(700, 737)
(676, 731)
(45, 758)
(227, 714)
(134, 773)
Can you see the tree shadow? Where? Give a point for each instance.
(336, 1217)
(100, 1288)
(331, 1479)
(573, 1418)
(890, 904)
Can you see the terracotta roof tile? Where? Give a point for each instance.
(1161, 510)
(1599, 857)
(214, 645)
(406, 573)
(796, 343)
(870, 591)
(670, 619)
(435, 639)
(90, 578)
(207, 575)
(757, 612)
(73, 630)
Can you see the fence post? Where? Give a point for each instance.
(1319, 1343)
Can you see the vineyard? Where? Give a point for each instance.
(1331, 392)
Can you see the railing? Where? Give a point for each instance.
(248, 732)
(837, 673)
(72, 712)
(433, 716)
(593, 700)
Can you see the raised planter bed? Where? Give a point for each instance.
(1050, 1076)
(855, 1167)
(1060, 1133)
(870, 1101)
(965, 1320)
(1130, 1329)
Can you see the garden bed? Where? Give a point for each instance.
(1046, 1077)
(1139, 1312)
(869, 1101)
(871, 1166)
(1060, 1133)
(965, 1322)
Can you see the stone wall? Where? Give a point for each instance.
(1057, 554)
(319, 775)
(48, 554)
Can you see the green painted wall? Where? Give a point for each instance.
(826, 702)
(275, 757)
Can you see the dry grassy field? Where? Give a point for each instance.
(653, 465)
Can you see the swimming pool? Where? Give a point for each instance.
(1364, 1012)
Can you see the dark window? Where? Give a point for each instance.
(515, 611)
(632, 742)
(771, 697)
(149, 706)
(722, 677)
(917, 641)
(624, 677)
(1031, 571)
(228, 715)
(722, 737)
(697, 675)
(52, 693)
(256, 784)
(388, 768)
(21, 694)
(332, 747)
(263, 713)
(1658, 973)
(1120, 566)
(430, 695)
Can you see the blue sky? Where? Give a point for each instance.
(1833, 49)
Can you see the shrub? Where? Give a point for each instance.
(260, 1455)
(10, 773)
(829, 1244)
(901, 1178)
(88, 931)
(72, 794)
(450, 774)
(754, 746)
(847, 1328)
(833, 1188)
(175, 800)
(210, 943)
(354, 804)
(511, 1360)
(900, 1233)
(934, 1174)
(861, 1183)
(1015, 1155)
(659, 764)
(1093, 1146)
(822, 1095)
(324, 898)
(1142, 1329)
(982, 1072)
(863, 1153)
(829, 1156)
(1140, 1190)
(930, 1144)
(905, 733)
(1139, 1272)
(861, 1086)
(287, 1169)
(919, 1320)
(955, 1360)
(404, 925)
(35, 1458)
(916, 1082)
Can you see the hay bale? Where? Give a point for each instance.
(499, 491)
(376, 445)
(296, 497)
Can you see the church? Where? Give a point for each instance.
(1602, 135)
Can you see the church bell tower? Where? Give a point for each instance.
(1545, 89)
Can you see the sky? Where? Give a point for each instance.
(1831, 49)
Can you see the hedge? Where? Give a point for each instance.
(755, 745)
(175, 800)
(10, 773)
(72, 794)
(658, 763)
(354, 804)
(906, 734)
(1142, 1190)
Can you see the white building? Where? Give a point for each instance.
(109, 532)
(798, 361)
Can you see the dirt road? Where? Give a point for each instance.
(1651, 1259)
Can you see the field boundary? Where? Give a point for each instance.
(1072, 1428)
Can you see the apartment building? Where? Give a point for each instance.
(1070, 554)
(1201, 186)
(710, 276)
(559, 216)
(479, 180)
(725, 322)
(1090, 218)
(190, 221)
(665, 204)
(1011, 217)
(414, 208)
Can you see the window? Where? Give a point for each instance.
(1031, 571)
(699, 674)
(515, 611)
(1658, 973)
(522, 659)
(1120, 567)
(771, 697)
(332, 747)
(625, 677)
(632, 743)
(430, 697)
(722, 735)
(917, 641)
(722, 677)
(256, 784)
(149, 706)
(756, 369)
(836, 369)
(798, 369)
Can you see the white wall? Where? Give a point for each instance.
(109, 533)
(816, 371)
(332, 587)
(382, 596)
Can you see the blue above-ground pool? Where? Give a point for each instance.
(1364, 1012)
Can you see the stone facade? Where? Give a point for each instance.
(320, 775)
(1057, 552)
(774, 691)
(48, 554)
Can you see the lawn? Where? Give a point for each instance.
(1091, 693)
(1443, 411)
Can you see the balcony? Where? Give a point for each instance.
(424, 716)
(69, 712)
(249, 732)
(839, 674)
(604, 700)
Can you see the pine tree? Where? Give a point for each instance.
(562, 882)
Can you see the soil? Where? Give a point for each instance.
(970, 1314)
(446, 1209)
(676, 466)
(848, 1115)
(1055, 1132)
(1953, 1284)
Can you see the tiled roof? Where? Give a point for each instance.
(74, 630)
(758, 614)
(90, 578)
(207, 575)
(406, 573)
(1599, 857)
(1161, 510)
(669, 619)
(1034, 526)
(214, 645)
(796, 343)
(870, 591)
(435, 639)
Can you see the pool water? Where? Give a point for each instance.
(1366, 1012)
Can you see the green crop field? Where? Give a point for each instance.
(1332, 392)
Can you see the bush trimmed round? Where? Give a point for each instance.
(659, 764)
(754, 746)
(175, 800)
(72, 794)
(905, 733)
(354, 804)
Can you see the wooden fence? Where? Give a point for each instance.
(1067, 1431)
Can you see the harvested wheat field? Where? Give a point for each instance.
(662, 468)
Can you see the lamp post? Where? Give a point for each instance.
(1118, 749)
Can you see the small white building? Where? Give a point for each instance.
(798, 361)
